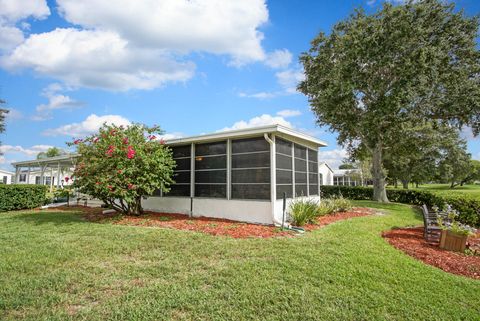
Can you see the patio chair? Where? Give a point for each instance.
(431, 230)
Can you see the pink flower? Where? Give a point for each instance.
(110, 150)
(151, 137)
(77, 141)
(130, 152)
(125, 140)
(131, 186)
(67, 179)
(119, 171)
(97, 183)
(96, 139)
(162, 141)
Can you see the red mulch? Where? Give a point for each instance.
(211, 226)
(329, 219)
(411, 241)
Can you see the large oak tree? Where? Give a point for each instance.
(375, 74)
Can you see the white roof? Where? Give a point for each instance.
(64, 158)
(345, 171)
(239, 133)
(6, 172)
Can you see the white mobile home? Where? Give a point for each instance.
(238, 175)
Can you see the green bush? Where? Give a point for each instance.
(469, 208)
(18, 197)
(333, 205)
(303, 211)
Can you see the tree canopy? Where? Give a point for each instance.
(51, 152)
(120, 165)
(375, 75)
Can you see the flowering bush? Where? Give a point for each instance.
(120, 165)
(449, 221)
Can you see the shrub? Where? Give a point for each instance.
(469, 208)
(18, 197)
(333, 205)
(303, 211)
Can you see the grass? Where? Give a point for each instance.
(444, 189)
(55, 266)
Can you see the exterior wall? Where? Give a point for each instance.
(327, 174)
(8, 175)
(31, 179)
(238, 210)
(278, 207)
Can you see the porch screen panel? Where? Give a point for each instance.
(313, 172)
(284, 171)
(301, 173)
(211, 170)
(182, 173)
(250, 174)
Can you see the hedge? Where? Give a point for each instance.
(469, 208)
(18, 197)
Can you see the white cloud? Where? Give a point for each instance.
(289, 79)
(14, 114)
(14, 10)
(169, 136)
(10, 37)
(259, 95)
(29, 151)
(110, 49)
(216, 26)
(262, 120)
(289, 113)
(96, 59)
(279, 59)
(55, 101)
(333, 157)
(89, 126)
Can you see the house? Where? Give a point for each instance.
(51, 171)
(239, 175)
(349, 177)
(326, 174)
(6, 177)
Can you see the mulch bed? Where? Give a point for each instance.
(332, 218)
(411, 241)
(208, 225)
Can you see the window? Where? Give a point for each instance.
(250, 174)
(312, 172)
(211, 170)
(182, 173)
(23, 178)
(284, 171)
(4, 179)
(37, 180)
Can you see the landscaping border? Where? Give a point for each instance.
(469, 208)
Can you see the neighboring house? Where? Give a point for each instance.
(52, 171)
(240, 175)
(348, 177)
(326, 174)
(6, 177)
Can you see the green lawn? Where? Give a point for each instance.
(444, 189)
(55, 266)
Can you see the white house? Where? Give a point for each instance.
(326, 174)
(240, 175)
(6, 177)
(348, 177)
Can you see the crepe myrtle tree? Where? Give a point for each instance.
(373, 75)
(121, 165)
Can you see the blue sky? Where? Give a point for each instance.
(193, 67)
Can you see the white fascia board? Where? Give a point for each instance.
(47, 160)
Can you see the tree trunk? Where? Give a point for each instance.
(395, 183)
(405, 184)
(136, 207)
(379, 190)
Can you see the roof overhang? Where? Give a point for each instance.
(249, 132)
(64, 159)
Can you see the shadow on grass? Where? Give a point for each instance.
(56, 218)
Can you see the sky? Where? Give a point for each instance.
(192, 67)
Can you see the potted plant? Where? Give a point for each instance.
(454, 234)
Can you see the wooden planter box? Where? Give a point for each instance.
(453, 242)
